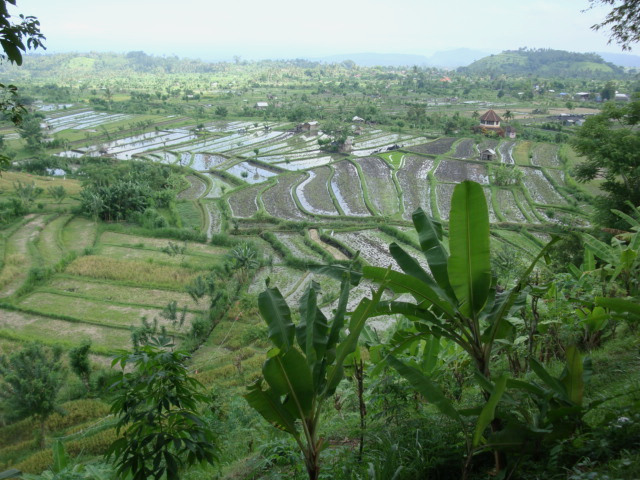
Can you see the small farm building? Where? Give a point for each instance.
(488, 154)
(510, 132)
(261, 105)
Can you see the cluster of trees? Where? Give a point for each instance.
(117, 190)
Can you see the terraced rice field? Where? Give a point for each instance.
(436, 147)
(506, 152)
(540, 188)
(278, 200)
(313, 192)
(347, 189)
(295, 243)
(381, 188)
(413, 179)
(455, 171)
(465, 148)
(545, 155)
(508, 207)
(244, 202)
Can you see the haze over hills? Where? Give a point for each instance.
(445, 59)
(460, 57)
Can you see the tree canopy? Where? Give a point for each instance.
(623, 21)
(610, 141)
(15, 38)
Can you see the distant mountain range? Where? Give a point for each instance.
(445, 59)
(459, 57)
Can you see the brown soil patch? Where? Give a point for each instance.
(337, 254)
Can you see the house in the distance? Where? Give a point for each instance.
(490, 120)
(510, 132)
(309, 126)
(261, 105)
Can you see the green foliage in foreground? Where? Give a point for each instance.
(610, 141)
(301, 378)
(157, 405)
(31, 380)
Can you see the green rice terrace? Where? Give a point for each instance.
(239, 205)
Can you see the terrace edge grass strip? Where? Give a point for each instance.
(57, 316)
(365, 189)
(204, 217)
(399, 190)
(62, 293)
(296, 285)
(228, 177)
(14, 336)
(521, 153)
(561, 190)
(57, 236)
(433, 197)
(262, 210)
(496, 233)
(334, 242)
(533, 238)
(206, 180)
(294, 195)
(332, 194)
(496, 205)
(524, 211)
(400, 236)
(289, 259)
(169, 233)
(5, 234)
(104, 281)
(324, 254)
(532, 204)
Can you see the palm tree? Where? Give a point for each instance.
(245, 258)
(508, 115)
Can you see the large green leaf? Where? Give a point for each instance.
(589, 260)
(488, 412)
(552, 382)
(403, 283)
(276, 313)
(504, 303)
(600, 249)
(572, 377)
(269, 405)
(619, 305)
(288, 374)
(338, 318)
(360, 315)
(410, 266)
(426, 388)
(338, 272)
(469, 265)
(429, 235)
(630, 220)
(312, 330)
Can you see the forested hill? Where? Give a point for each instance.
(87, 64)
(545, 63)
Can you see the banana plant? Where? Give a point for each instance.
(458, 298)
(621, 258)
(306, 364)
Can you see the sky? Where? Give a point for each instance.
(252, 29)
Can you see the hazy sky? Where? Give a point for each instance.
(253, 29)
